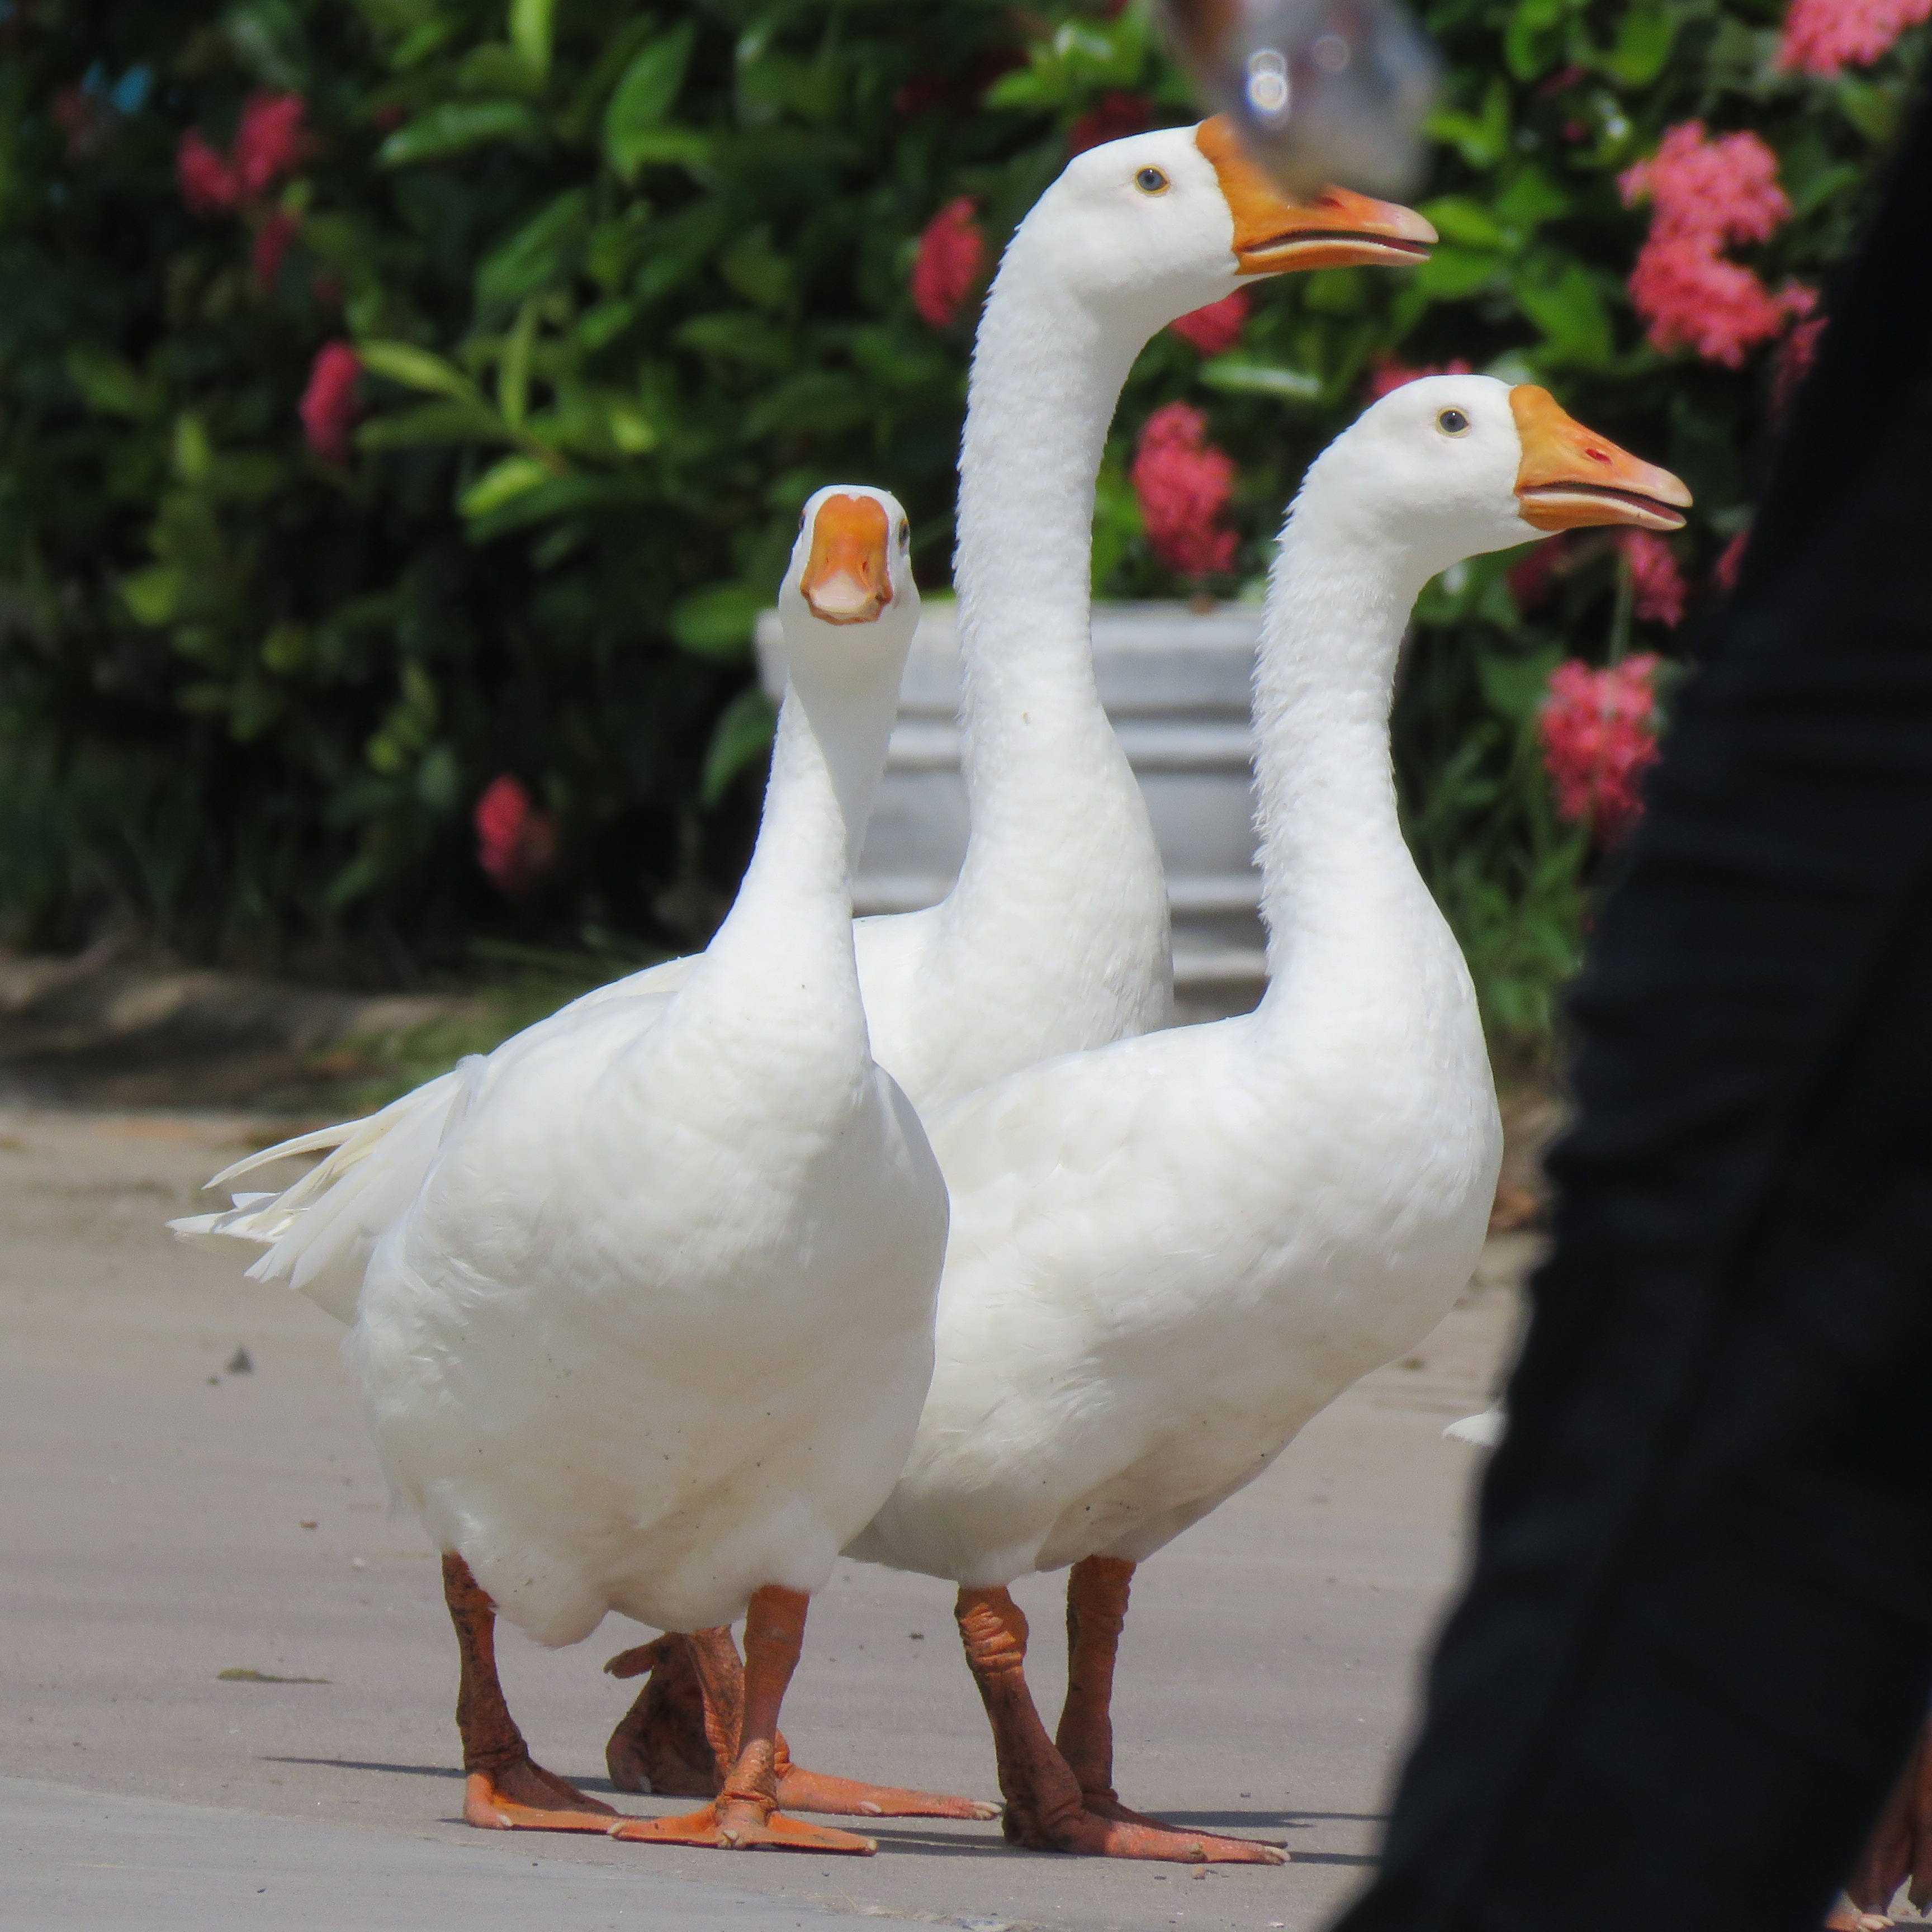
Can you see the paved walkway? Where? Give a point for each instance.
(78, 1861)
(169, 1515)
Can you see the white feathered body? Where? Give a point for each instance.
(655, 1329)
(1168, 1256)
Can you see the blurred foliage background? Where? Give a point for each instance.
(624, 282)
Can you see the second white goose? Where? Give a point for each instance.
(1169, 1254)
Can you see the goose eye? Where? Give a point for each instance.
(905, 533)
(1151, 181)
(1453, 422)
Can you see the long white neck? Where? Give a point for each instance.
(1340, 894)
(1047, 372)
(795, 902)
(1055, 936)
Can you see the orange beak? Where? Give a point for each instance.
(1337, 229)
(1570, 477)
(846, 580)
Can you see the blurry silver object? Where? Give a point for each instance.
(1321, 90)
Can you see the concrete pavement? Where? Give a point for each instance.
(168, 1515)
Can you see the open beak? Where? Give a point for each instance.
(846, 580)
(1570, 477)
(1337, 228)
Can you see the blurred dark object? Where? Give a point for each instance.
(1697, 1644)
(1322, 90)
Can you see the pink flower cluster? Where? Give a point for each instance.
(269, 144)
(1823, 36)
(1388, 375)
(1599, 734)
(1708, 195)
(1183, 484)
(327, 407)
(1215, 329)
(516, 843)
(952, 255)
(1654, 577)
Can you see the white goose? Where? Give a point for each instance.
(1168, 1253)
(652, 1331)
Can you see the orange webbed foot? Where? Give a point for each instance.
(524, 1797)
(736, 1825)
(803, 1790)
(1090, 1833)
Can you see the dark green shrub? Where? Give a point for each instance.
(627, 282)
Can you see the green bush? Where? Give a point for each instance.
(627, 282)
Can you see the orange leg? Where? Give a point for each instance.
(1901, 1848)
(745, 1816)
(671, 1741)
(505, 1790)
(675, 1740)
(1046, 1809)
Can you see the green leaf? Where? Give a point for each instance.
(457, 126)
(733, 336)
(530, 21)
(1530, 46)
(1457, 218)
(513, 372)
(1243, 375)
(431, 423)
(497, 69)
(633, 123)
(1571, 313)
(743, 732)
(1483, 139)
(1451, 272)
(1514, 685)
(1531, 199)
(501, 483)
(758, 271)
(153, 595)
(543, 249)
(1643, 45)
(717, 621)
(109, 384)
(417, 369)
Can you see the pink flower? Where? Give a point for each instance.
(952, 253)
(1796, 355)
(328, 404)
(1655, 577)
(272, 243)
(1822, 37)
(1388, 375)
(1599, 734)
(1215, 329)
(1183, 483)
(269, 142)
(516, 843)
(1708, 195)
(1117, 115)
(1724, 572)
(208, 185)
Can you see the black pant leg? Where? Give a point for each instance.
(1698, 1631)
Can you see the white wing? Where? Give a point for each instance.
(320, 1233)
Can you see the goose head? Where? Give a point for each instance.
(848, 602)
(1163, 223)
(1452, 466)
